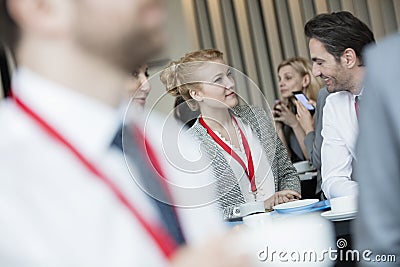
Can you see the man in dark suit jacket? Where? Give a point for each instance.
(377, 227)
(313, 139)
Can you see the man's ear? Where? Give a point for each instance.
(196, 95)
(306, 80)
(45, 17)
(349, 58)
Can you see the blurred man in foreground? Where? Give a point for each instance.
(377, 227)
(66, 195)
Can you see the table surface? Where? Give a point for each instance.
(342, 228)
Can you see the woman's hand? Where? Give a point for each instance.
(276, 110)
(284, 115)
(304, 117)
(281, 197)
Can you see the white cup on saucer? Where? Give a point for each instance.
(302, 166)
(343, 204)
(267, 236)
(251, 208)
(257, 219)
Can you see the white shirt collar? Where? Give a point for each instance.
(360, 94)
(88, 124)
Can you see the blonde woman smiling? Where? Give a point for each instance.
(248, 159)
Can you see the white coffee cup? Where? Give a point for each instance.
(302, 166)
(251, 208)
(266, 237)
(344, 204)
(256, 219)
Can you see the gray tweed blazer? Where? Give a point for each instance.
(228, 190)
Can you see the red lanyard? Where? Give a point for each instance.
(250, 166)
(161, 237)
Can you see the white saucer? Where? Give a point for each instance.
(303, 166)
(337, 217)
(295, 205)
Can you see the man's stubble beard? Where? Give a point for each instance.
(129, 52)
(342, 81)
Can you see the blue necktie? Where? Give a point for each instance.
(150, 180)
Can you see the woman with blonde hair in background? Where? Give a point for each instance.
(248, 159)
(295, 75)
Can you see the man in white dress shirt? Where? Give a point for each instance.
(336, 44)
(66, 194)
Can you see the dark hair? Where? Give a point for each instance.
(183, 113)
(339, 31)
(8, 28)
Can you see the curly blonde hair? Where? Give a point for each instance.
(177, 77)
(304, 67)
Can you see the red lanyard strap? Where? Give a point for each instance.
(165, 243)
(250, 166)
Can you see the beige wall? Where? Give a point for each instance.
(179, 42)
(256, 35)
